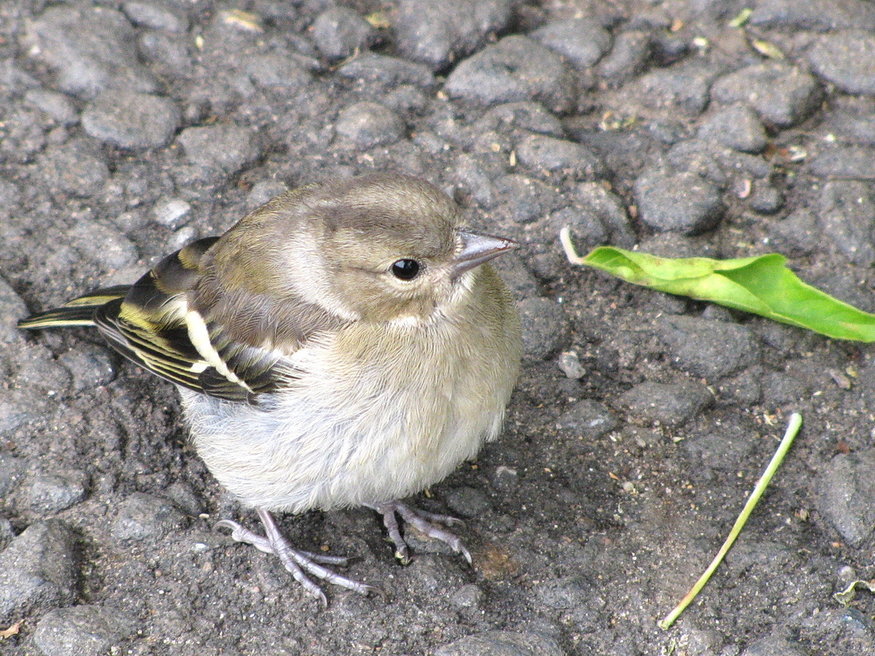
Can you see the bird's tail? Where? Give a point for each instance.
(78, 312)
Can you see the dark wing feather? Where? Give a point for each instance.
(180, 324)
(151, 327)
(78, 312)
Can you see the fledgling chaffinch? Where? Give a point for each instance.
(343, 344)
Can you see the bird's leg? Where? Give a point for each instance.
(298, 563)
(427, 523)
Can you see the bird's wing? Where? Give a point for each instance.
(154, 326)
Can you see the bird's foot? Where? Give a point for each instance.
(298, 563)
(429, 524)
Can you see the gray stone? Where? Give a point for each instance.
(7, 533)
(50, 492)
(851, 126)
(38, 370)
(12, 308)
(765, 198)
(844, 162)
(578, 599)
(736, 127)
(145, 517)
(73, 168)
(467, 501)
(438, 33)
(104, 244)
(545, 326)
(582, 41)
(774, 645)
(540, 152)
(587, 230)
(847, 217)
(609, 209)
(707, 348)
(814, 14)
(847, 59)
(716, 163)
(172, 212)
(516, 68)
(55, 104)
(10, 194)
(846, 489)
(369, 124)
(780, 93)
(468, 596)
(262, 192)
(682, 202)
(170, 54)
(92, 49)
(37, 569)
(588, 419)
(278, 70)
(525, 199)
(156, 16)
(682, 88)
(17, 407)
(797, 234)
(131, 120)
(667, 404)
(89, 366)
(628, 56)
(82, 630)
(226, 148)
(388, 71)
(528, 116)
(338, 32)
(11, 472)
(502, 643)
(569, 364)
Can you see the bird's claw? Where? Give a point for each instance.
(423, 521)
(302, 565)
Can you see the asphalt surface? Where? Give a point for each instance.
(641, 421)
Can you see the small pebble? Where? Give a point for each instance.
(569, 363)
(545, 327)
(369, 124)
(92, 48)
(37, 569)
(682, 202)
(781, 94)
(338, 32)
(226, 148)
(145, 517)
(847, 59)
(846, 489)
(172, 212)
(707, 348)
(588, 419)
(49, 492)
(737, 127)
(438, 33)
(502, 643)
(131, 120)
(667, 404)
(582, 41)
(516, 68)
(82, 630)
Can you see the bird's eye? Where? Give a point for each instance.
(405, 269)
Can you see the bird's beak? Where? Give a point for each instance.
(477, 249)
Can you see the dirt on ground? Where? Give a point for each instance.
(641, 421)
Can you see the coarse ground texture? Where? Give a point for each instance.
(640, 422)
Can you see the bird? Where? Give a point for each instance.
(345, 344)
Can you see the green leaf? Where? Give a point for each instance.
(761, 285)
